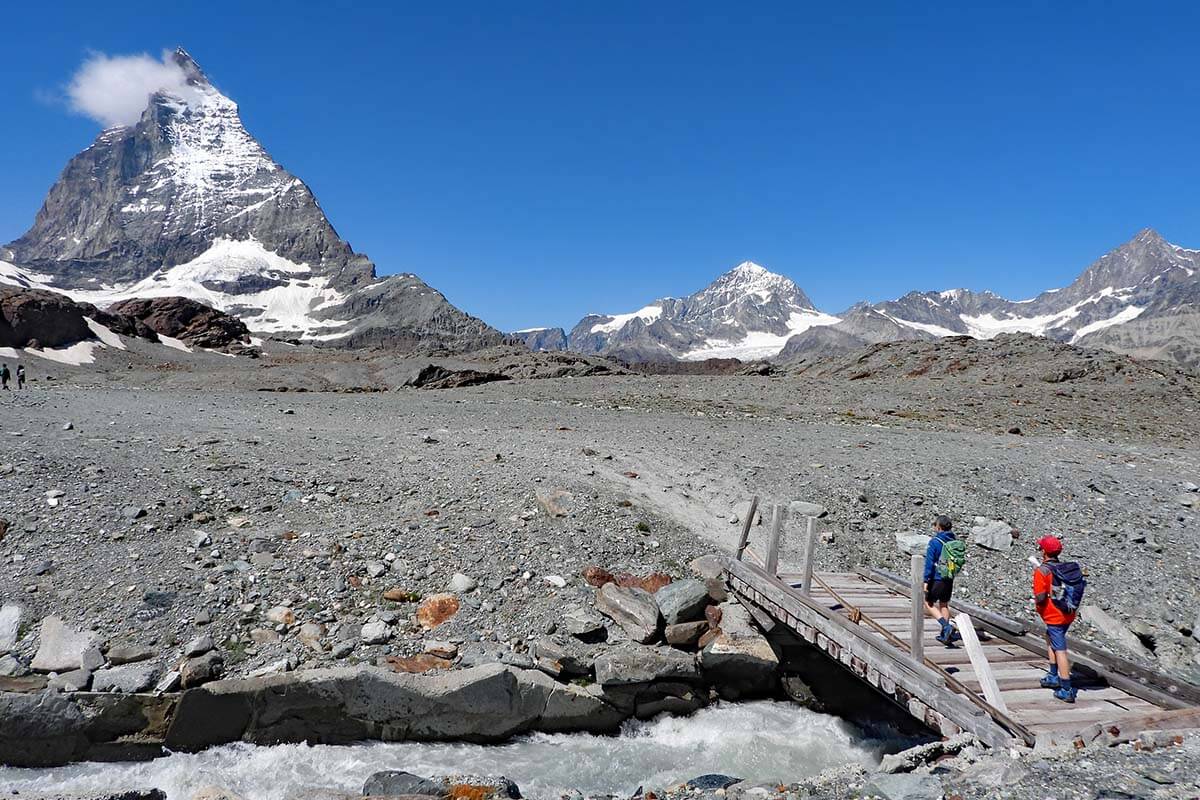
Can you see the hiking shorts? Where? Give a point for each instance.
(1057, 636)
(939, 591)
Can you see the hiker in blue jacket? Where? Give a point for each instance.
(944, 558)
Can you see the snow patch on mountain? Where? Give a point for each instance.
(760, 344)
(619, 321)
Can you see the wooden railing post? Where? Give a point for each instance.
(917, 643)
(810, 555)
(983, 670)
(778, 515)
(746, 525)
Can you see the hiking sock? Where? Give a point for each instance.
(1053, 670)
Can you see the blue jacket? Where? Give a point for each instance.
(934, 552)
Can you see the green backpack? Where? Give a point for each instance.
(954, 556)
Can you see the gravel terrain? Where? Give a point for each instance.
(160, 500)
(191, 504)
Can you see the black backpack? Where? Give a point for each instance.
(1068, 584)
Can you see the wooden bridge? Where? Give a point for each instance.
(874, 624)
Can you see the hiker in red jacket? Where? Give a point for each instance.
(1057, 591)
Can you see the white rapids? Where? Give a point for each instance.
(762, 741)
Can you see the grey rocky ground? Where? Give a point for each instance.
(158, 500)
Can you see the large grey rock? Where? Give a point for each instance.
(682, 601)
(628, 665)
(61, 649)
(1113, 630)
(739, 662)
(396, 782)
(127, 679)
(912, 543)
(800, 508)
(487, 703)
(991, 534)
(633, 609)
(904, 786)
(39, 730)
(10, 626)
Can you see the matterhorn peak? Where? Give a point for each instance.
(191, 70)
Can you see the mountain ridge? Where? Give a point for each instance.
(1141, 297)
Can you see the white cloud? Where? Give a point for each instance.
(114, 90)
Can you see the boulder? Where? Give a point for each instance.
(127, 679)
(202, 669)
(799, 508)
(40, 730)
(646, 701)
(912, 543)
(76, 680)
(61, 649)
(711, 570)
(461, 584)
(555, 502)
(685, 634)
(632, 665)
(584, 624)
(650, 583)
(488, 703)
(128, 654)
(633, 609)
(377, 632)
(739, 661)
(10, 626)
(436, 609)
(479, 787)
(598, 576)
(396, 782)
(682, 601)
(991, 534)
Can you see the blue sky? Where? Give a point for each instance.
(537, 161)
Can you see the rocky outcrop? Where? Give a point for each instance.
(433, 376)
(189, 321)
(39, 318)
(488, 703)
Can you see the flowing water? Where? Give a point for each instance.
(762, 741)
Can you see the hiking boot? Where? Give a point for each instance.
(1050, 681)
(1065, 694)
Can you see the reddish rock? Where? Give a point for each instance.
(598, 576)
(650, 583)
(685, 634)
(425, 662)
(399, 595)
(34, 317)
(713, 615)
(708, 638)
(436, 609)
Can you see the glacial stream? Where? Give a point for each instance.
(762, 741)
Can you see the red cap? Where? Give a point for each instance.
(1050, 545)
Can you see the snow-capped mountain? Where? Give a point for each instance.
(186, 202)
(749, 312)
(1142, 298)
